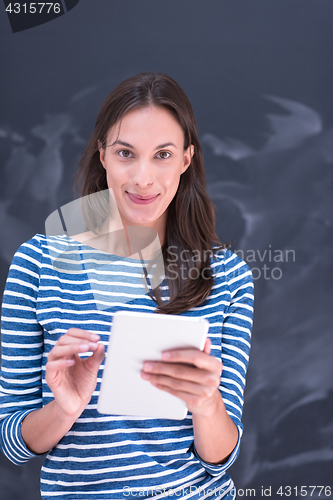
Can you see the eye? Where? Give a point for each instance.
(164, 154)
(125, 153)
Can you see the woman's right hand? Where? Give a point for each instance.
(72, 379)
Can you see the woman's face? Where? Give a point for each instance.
(144, 158)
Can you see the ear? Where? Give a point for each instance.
(101, 153)
(188, 157)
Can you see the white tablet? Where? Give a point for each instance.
(137, 337)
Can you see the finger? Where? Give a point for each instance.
(192, 401)
(61, 364)
(179, 394)
(175, 370)
(181, 388)
(191, 356)
(63, 351)
(76, 335)
(178, 371)
(54, 369)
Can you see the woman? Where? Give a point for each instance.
(145, 150)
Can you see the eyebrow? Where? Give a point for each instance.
(161, 146)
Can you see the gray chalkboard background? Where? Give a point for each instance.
(260, 76)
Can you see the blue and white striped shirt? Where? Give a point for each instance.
(107, 456)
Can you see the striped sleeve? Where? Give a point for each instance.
(21, 351)
(236, 343)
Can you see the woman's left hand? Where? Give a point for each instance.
(190, 374)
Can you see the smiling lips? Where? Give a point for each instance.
(142, 199)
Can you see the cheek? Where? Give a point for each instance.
(171, 179)
(114, 177)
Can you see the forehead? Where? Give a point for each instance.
(151, 122)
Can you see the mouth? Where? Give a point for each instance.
(142, 199)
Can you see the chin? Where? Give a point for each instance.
(140, 220)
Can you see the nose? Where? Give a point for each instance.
(144, 173)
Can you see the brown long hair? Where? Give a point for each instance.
(190, 228)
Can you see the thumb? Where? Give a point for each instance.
(94, 361)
